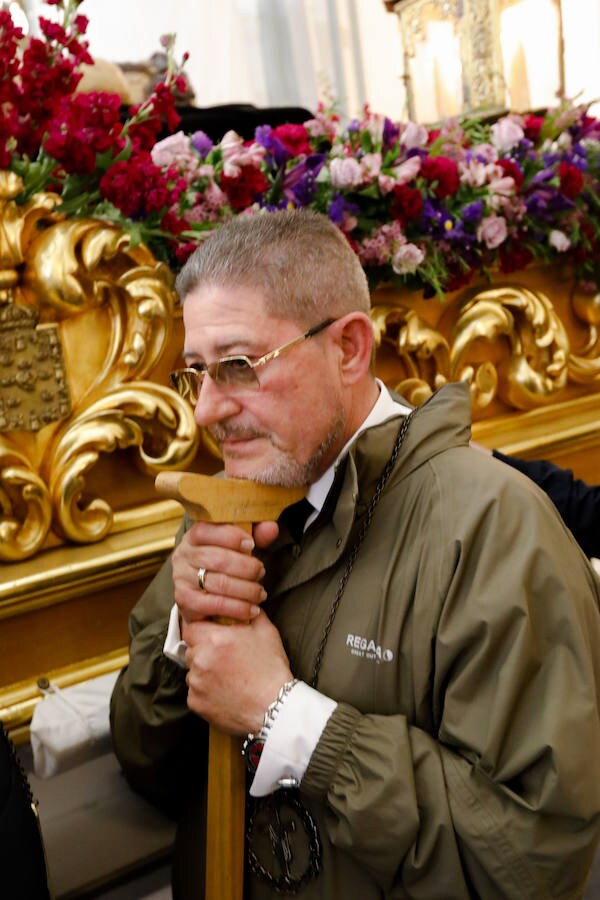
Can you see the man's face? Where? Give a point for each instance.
(289, 430)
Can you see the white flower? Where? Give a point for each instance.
(559, 240)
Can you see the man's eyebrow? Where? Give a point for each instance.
(236, 347)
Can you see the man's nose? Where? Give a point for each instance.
(214, 403)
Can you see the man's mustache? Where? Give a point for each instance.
(221, 433)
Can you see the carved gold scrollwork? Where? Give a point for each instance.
(17, 224)
(84, 265)
(422, 351)
(142, 415)
(584, 365)
(24, 504)
(109, 310)
(531, 368)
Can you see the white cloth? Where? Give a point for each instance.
(596, 565)
(302, 718)
(71, 725)
(292, 738)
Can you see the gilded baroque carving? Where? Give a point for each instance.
(534, 369)
(84, 322)
(507, 342)
(423, 353)
(584, 363)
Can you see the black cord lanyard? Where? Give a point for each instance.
(279, 814)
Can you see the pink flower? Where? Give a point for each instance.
(401, 174)
(214, 197)
(407, 258)
(504, 185)
(407, 170)
(414, 136)
(371, 165)
(486, 153)
(476, 173)
(492, 231)
(506, 134)
(171, 149)
(345, 173)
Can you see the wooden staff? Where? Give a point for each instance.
(210, 499)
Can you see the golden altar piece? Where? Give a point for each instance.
(528, 346)
(89, 329)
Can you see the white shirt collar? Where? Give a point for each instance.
(385, 408)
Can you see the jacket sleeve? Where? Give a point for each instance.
(153, 732)
(500, 797)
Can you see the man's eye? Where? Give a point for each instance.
(237, 362)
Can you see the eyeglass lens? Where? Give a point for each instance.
(235, 371)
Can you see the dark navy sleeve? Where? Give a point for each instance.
(577, 502)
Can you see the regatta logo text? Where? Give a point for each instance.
(361, 646)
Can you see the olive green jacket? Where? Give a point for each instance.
(463, 758)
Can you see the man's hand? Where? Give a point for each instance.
(235, 672)
(232, 580)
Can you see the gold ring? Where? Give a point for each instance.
(202, 573)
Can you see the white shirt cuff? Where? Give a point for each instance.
(596, 564)
(292, 738)
(174, 648)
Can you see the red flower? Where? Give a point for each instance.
(458, 277)
(183, 251)
(509, 167)
(159, 111)
(136, 186)
(407, 204)
(571, 180)
(243, 189)
(443, 172)
(532, 126)
(294, 138)
(514, 255)
(86, 124)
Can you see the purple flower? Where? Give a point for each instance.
(262, 136)
(299, 184)
(339, 208)
(473, 211)
(543, 176)
(202, 143)
(391, 133)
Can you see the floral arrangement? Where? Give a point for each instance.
(78, 144)
(427, 208)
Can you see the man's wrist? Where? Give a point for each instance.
(254, 742)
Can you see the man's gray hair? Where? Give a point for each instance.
(299, 259)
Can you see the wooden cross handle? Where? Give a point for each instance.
(211, 499)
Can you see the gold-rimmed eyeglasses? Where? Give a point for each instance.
(233, 371)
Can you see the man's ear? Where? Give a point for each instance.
(354, 335)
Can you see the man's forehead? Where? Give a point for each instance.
(219, 321)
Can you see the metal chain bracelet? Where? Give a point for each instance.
(254, 743)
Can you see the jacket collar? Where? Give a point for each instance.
(441, 423)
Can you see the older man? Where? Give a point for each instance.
(417, 690)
